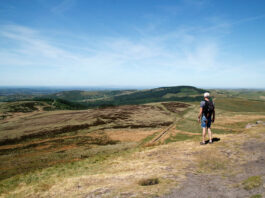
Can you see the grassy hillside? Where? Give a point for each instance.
(179, 93)
(78, 100)
(240, 104)
(241, 93)
(70, 100)
(123, 97)
(42, 104)
(57, 137)
(83, 96)
(110, 150)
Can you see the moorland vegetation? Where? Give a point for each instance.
(128, 143)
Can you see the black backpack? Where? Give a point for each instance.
(208, 108)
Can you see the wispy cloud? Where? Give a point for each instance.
(150, 58)
(29, 45)
(63, 6)
(248, 19)
(122, 52)
(169, 53)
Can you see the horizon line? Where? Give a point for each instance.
(118, 87)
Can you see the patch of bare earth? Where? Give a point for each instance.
(223, 167)
(130, 135)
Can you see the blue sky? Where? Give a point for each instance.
(149, 43)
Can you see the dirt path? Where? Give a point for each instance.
(246, 159)
(163, 133)
(170, 108)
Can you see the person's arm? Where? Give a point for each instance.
(200, 115)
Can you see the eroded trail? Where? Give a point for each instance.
(178, 114)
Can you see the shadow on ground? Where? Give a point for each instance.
(215, 139)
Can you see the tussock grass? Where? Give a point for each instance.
(212, 161)
(256, 196)
(148, 182)
(43, 178)
(115, 171)
(252, 182)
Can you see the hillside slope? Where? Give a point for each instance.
(123, 97)
(118, 151)
(120, 158)
(83, 96)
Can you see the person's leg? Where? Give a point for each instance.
(209, 122)
(203, 125)
(210, 134)
(203, 134)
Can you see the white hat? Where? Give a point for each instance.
(206, 95)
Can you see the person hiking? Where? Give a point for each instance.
(206, 117)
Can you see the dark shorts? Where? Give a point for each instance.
(203, 122)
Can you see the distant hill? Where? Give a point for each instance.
(78, 99)
(122, 97)
(254, 94)
(36, 105)
(177, 93)
(84, 96)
